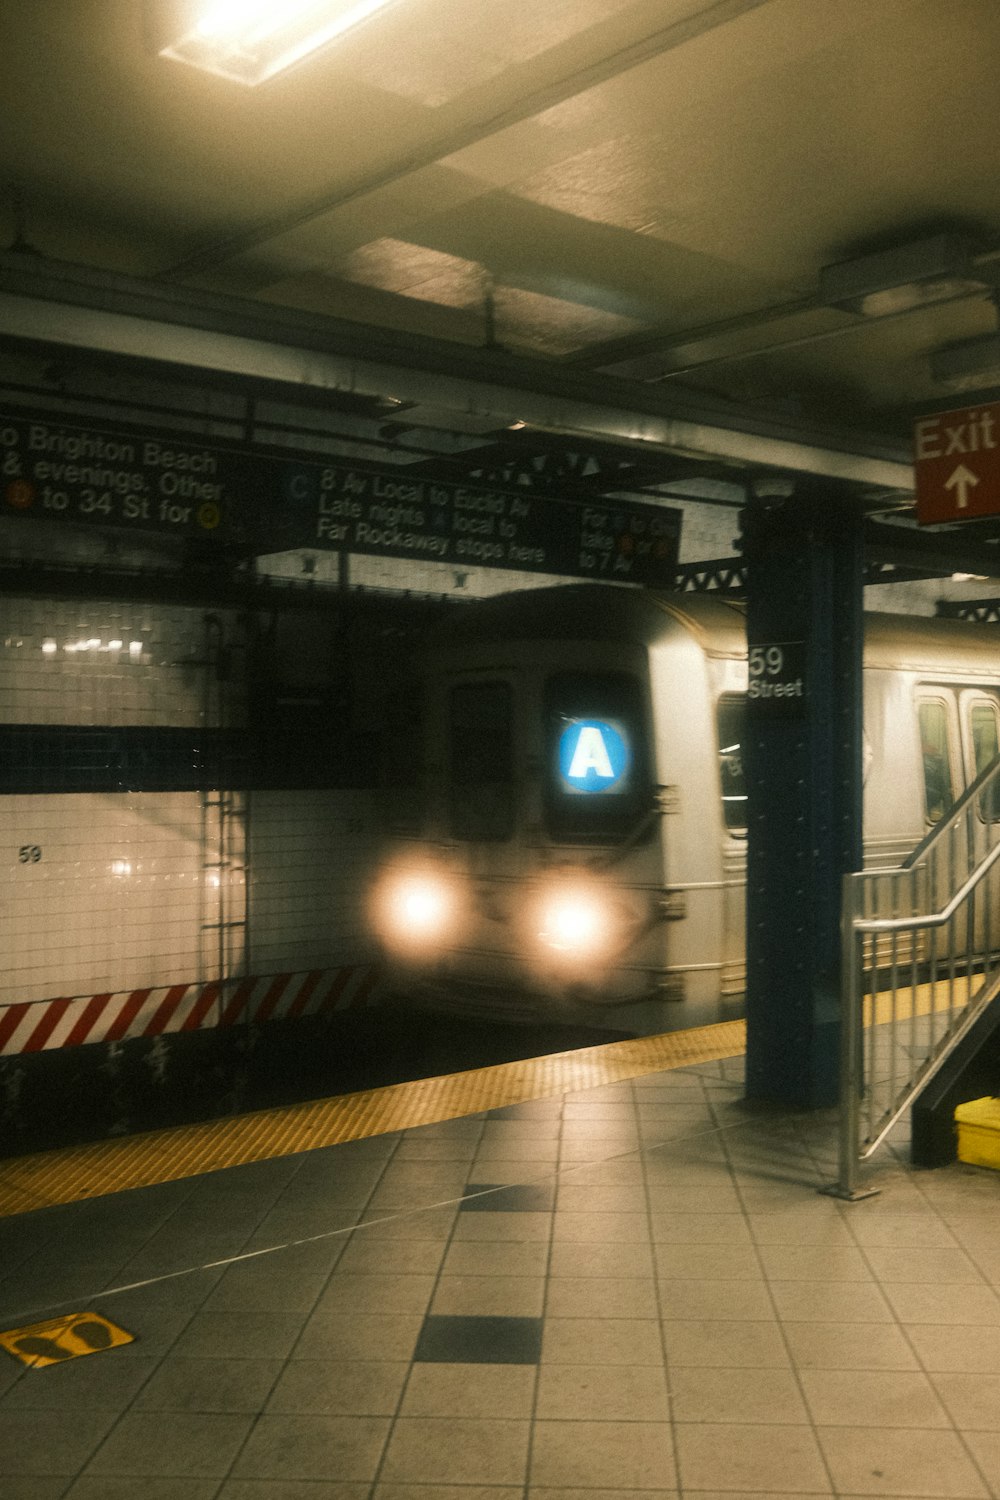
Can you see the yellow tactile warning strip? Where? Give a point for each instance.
(60, 1339)
(940, 998)
(91, 1171)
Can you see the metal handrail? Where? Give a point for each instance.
(945, 824)
(951, 856)
(937, 918)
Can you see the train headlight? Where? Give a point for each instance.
(577, 922)
(415, 911)
(421, 905)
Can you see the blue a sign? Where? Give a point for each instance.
(593, 757)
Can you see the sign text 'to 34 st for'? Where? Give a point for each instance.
(956, 464)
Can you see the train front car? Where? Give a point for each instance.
(580, 853)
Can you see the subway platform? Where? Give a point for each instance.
(623, 1286)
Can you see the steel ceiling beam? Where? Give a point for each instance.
(455, 137)
(62, 306)
(979, 611)
(542, 464)
(969, 549)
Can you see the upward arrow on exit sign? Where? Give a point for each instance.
(956, 464)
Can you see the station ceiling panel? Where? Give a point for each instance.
(648, 189)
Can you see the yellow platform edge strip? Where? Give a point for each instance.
(92, 1171)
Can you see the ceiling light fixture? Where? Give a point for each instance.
(971, 365)
(250, 41)
(906, 277)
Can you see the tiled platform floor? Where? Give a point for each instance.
(632, 1290)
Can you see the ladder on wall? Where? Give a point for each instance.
(225, 818)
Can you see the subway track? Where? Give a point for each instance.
(67, 1096)
(69, 1174)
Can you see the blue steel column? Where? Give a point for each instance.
(804, 555)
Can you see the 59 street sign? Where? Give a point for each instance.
(777, 684)
(956, 464)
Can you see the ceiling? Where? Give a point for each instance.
(646, 188)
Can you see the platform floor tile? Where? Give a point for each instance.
(639, 1306)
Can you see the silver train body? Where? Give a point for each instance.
(572, 839)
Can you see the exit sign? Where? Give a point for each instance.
(956, 464)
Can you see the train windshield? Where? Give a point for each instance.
(597, 774)
(481, 784)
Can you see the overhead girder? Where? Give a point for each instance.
(57, 306)
(719, 575)
(980, 611)
(222, 587)
(968, 549)
(543, 464)
(892, 554)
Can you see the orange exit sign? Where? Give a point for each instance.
(956, 464)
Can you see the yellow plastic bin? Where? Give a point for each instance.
(979, 1132)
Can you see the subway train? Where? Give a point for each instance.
(567, 811)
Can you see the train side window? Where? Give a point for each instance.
(481, 784)
(939, 784)
(985, 747)
(401, 762)
(983, 724)
(731, 721)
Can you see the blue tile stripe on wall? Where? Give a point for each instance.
(37, 758)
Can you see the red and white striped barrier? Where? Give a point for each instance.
(41, 1025)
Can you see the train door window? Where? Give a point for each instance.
(481, 783)
(401, 762)
(985, 745)
(983, 729)
(597, 784)
(935, 748)
(731, 723)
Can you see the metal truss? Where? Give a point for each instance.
(981, 611)
(728, 575)
(722, 575)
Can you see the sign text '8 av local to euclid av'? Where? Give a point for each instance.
(394, 513)
(147, 481)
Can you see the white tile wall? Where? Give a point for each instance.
(311, 856)
(124, 888)
(920, 597)
(113, 903)
(398, 574)
(119, 896)
(25, 539)
(92, 662)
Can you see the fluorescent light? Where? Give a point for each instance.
(904, 278)
(251, 40)
(969, 366)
